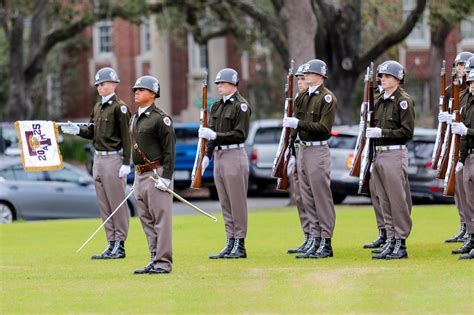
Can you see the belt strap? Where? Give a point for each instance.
(313, 143)
(381, 148)
(107, 152)
(229, 146)
(142, 168)
(134, 141)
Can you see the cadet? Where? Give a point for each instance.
(111, 140)
(154, 144)
(466, 163)
(295, 185)
(315, 111)
(228, 129)
(395, 122)
(460, 62)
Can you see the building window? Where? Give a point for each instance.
(420, 34)
(102, 38)
(197, 55)
(467, 29)
(145, 37)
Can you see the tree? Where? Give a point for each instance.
(444, 16)
(33, 28)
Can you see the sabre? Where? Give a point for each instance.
(103, 223)
(213, 218)
(75, 123)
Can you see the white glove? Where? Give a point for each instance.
(70, 128)
(459, 167)
(373, 133)
(124, 171)
(445, 117)
(204, 164)
(290, 122)
(291, 166)
(207, 133)
(459, 128)
(162, 183)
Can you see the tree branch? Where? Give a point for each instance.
(392, 38)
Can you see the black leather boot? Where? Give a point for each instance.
(324, 250)
(379, 241)
(399, 250)
(468, 256)
(381, 249)
(229, 244)
(466, 247)
(106, 252)
(314, 245)
(458, 237)
(386, 249)
(118, 251)
(238, 251)
(148, 267)
(300, 249)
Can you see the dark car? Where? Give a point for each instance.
(66, 193)
(186, 146)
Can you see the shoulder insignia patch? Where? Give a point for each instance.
(404, 104)
(123, 109)
(244, 107)
(167, 121)
(328, 98)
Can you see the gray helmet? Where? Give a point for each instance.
(469, 65)
(148, 82)
(462, 57)
(316, 66)
(299, 72)
(106, 75)
(392, 68)
(470, 77)
(228, 75)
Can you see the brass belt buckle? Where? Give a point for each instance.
(137, 170)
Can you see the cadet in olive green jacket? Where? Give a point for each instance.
(228, 129)
(111, 141)
(394, 117)
(154, 154)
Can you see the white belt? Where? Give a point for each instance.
(390, 147)
(312, 143)
(108, 152)
(229, 146)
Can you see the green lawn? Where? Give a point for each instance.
(41, 273)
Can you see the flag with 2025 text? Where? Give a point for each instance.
(38, 143)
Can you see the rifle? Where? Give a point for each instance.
(444, 158)
(450, 178)
(441, 125)
(196, 175)
(361, 139)
(283, 155)
(369, 149)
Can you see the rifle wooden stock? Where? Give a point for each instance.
(450, 179)
(441, 125)
(280, 166)
(369, 148)
(196, 175)
(361, 139)
(444, 157)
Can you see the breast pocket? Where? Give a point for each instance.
(229, 118)
(106, 125)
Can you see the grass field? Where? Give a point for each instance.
(41, 273)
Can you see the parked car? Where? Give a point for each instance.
(66, 193)
(186, 147)
(8, 139)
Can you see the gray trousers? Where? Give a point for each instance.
(314, 168)
(376, 204)
(468, 181)
(390, 176)
(155, 212)
(231, 175)
(302, 213)
(460, 196)
(110, 190)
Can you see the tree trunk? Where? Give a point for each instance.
(343, 84)
(19, 104)
(300, 35)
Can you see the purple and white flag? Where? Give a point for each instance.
(38, 142)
